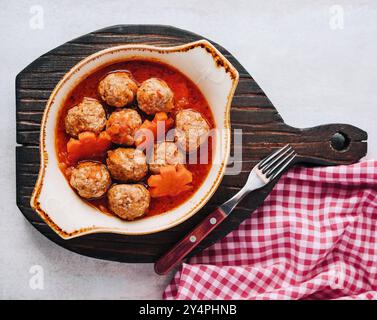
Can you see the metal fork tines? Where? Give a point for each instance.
(273, 165)
(264, 172)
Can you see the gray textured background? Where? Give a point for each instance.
(313, 74)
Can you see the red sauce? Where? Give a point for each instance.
(186, 95)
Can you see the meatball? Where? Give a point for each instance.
(122, 126)
(128, 201)
(89, 115)
(165, 153)
(127, 164)
(90, 179)
(117, 89)
(191, 129)
(154, 95)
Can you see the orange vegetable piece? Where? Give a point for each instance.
(171, 181)
(146, 133)
(88, 146)
(149, 129)
(160, 116)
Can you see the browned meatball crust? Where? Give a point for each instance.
(123, 125)
(165, 153)
(191, 129)
(127, 164)
(129, 201)
(117, 89)
(90, 179)
(154, 95)
(89, 115)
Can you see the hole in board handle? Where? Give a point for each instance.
(340, 141)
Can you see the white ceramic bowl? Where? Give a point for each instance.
(59, 205)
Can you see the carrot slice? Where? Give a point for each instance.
(171, 181)
(88, 146)
(148, 131)
(160, 116)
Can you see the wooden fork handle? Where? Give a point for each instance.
(175, 255)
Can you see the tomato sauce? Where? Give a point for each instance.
(186, 95)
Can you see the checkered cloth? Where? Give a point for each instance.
(315, 237)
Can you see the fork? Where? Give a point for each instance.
(264, 172)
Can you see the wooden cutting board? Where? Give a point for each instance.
(263, 130)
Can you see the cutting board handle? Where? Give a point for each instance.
(330, 144)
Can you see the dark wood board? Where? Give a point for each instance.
(263, 131)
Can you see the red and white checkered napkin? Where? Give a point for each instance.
(315, 237)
